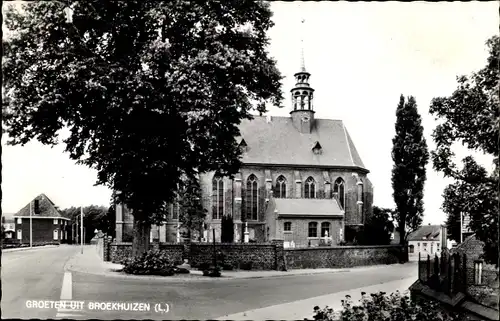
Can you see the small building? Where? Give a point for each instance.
(427, 240)
(48, 225)
(8, 225)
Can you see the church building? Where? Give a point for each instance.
(301, 179)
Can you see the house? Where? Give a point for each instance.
(8, 226)
(48, 225)
(301, 180)
(460, 281)
(427, 240)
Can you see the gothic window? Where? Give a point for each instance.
(175, 210)
(310, 188)
(313, 229)
(339, 188)
(288, 226)
(325, 228)
(217, 197)
(280, 188)
(251, 198)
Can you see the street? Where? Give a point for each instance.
(38, 275)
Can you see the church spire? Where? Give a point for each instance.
(302, 60)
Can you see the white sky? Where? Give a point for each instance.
(362, 56)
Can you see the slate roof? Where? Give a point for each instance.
(430, 232)
(47, 208)
(278, 142)
(307, 207)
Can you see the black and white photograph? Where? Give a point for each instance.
(250, 160)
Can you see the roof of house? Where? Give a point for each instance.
(426, 232)
(275, 140)
(307, 207)
(47, 208)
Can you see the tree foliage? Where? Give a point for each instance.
(191, 211)
(470, 116)
(149, 90)
(94, 217)
(410, 157)
(378, 228)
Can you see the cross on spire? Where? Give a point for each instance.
(302, 60)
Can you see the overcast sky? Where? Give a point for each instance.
(361, 56)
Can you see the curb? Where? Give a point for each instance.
(27, 248)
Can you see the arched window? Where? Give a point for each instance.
(313, 229)
(251, 198)
(175, 210)
(310, 188)
(325, 228)
(280, 188)
(339, 189)
(217, 197)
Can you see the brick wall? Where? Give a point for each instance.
(341, 256)
(120, 251)
(43, 230)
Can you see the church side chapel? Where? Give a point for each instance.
(301, 181)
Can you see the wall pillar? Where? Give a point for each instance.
(237, 198)
(280, 260)
(298, 185)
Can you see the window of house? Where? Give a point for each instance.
(56, 235)
(251, 199)
(56, 221)
(478, 271)
(338, 188)
(437, 247)
(325, 229)
(19, 234)
(288, 226)
(217, 197)
(432, 248)
(313, 229)
(310, 188)
(412, 248)
(19, 220)
(37, 207)
(424, 245)
(280, 188)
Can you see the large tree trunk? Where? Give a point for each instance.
(140, 243)
(404, 244)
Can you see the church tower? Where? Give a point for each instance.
(302, 99)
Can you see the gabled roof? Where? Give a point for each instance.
(47, 208)
(278, 142)
(426, 233)
(307, 207)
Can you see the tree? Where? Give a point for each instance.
(93, 218)
(470, 116)
(149, 90)
(192, 213)
(410, 156)
(227, 229)
(378, 228)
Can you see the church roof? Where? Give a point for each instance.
(275, 140)
(307, 207)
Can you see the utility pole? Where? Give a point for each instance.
(81, 225)
(31, 224)
(461, 226)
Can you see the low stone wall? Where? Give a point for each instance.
(264, 256)
(341, 256)
(261, 256)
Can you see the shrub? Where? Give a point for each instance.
(212, 272)
(227, 267)
(179, 270)
(382, 307)
(153, 262)
(203, 266)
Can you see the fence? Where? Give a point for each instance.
(454, 273)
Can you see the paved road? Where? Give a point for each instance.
(35, 274)
(38, 275)
(209, 300)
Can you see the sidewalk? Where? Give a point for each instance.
(303, 309)
(91, 263)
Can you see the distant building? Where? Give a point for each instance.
(427, 240)
(48, 225)
(301, 179)
(8, 224)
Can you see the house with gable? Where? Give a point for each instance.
(47, 223)
(301, 179)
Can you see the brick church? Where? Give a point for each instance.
(301, 180)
